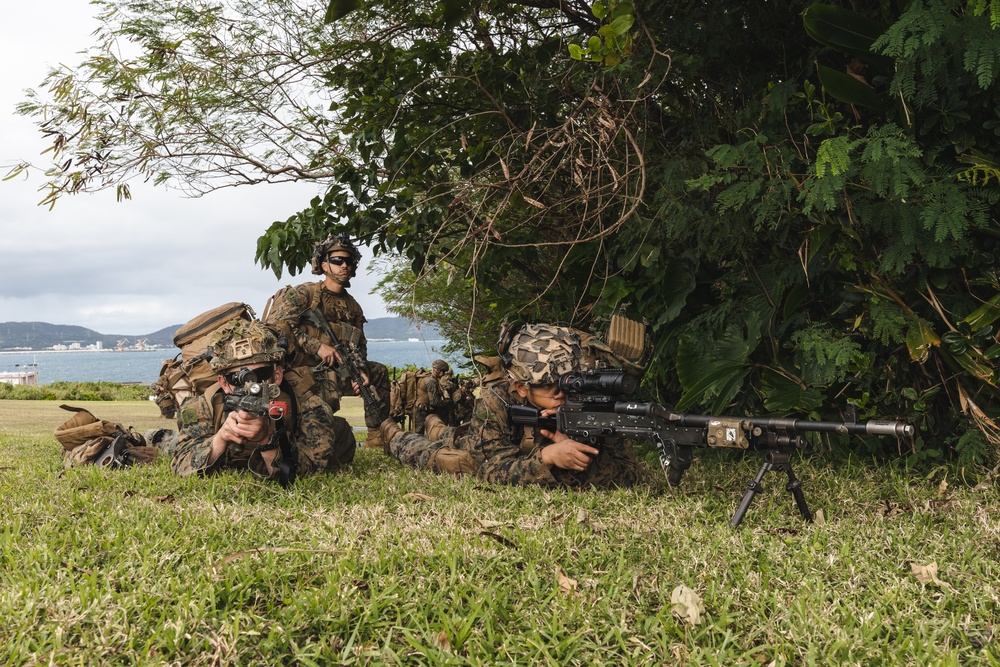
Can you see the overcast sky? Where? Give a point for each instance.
(121, 268)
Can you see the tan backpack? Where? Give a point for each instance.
(87, 440)
(190, 373)
(403, 393)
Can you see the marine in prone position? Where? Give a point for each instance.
(498, 450)
(253, 420)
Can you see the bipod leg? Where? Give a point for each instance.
(752, 489)
(774, 459)
(794, 487)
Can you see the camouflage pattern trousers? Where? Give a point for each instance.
(438, 455)
(378, 380)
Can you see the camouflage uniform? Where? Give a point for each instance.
(463, 400)
(505, 453)
(510, 454)
(316, 439)
(346, 319)
(319, 440)
(442, 449)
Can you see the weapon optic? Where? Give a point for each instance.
(256, 398)
(593, 413)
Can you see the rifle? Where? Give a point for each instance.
(593, 413)
(260, 399)
(347, 370)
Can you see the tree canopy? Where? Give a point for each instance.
(799, 199)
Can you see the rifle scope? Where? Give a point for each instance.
(612, 382)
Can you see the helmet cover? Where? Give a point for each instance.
(540, 353)
(241, 343)
(330, 244)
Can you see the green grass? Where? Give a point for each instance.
(383, 565)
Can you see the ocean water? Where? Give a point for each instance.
(144, 366)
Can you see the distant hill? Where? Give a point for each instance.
(42, 335)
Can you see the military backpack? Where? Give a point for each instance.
(403, 394)
(190, 373)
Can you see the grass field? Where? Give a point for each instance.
(382, 565)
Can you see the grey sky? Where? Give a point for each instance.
(131, 267)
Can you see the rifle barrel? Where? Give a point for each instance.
(870, 427)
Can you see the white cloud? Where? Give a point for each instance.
(129, 267)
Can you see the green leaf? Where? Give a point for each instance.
(986, 314)
(846, 31)
(338, 9)
(575, 52)
(782, 394)
(622, 24)
(846, 88)
(920, 339)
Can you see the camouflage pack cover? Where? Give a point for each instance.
(241, 343)
(328, 245)
(540, 353)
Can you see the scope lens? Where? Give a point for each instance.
(245, 375)
(612, 382)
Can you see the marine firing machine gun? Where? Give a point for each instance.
(595, 411)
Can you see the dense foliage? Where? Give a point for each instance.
(75, 391)
(801, 204)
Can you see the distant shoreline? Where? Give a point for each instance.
(106, 349)
(173, 350)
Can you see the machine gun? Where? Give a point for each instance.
(594, 411)
(256, 398)
(347, 370)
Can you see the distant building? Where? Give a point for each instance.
(28, 378)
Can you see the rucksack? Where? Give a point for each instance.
(403, 393)
(190, 373)
(87, 440)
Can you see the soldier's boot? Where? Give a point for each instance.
(375, 440)
(390, 427)
(434, 427)
(452, 461)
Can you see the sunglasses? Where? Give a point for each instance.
(241, 377)
(340, 261)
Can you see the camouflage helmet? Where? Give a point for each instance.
(328, 245)
(241, 343)
(540, 353)
(440, 365)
